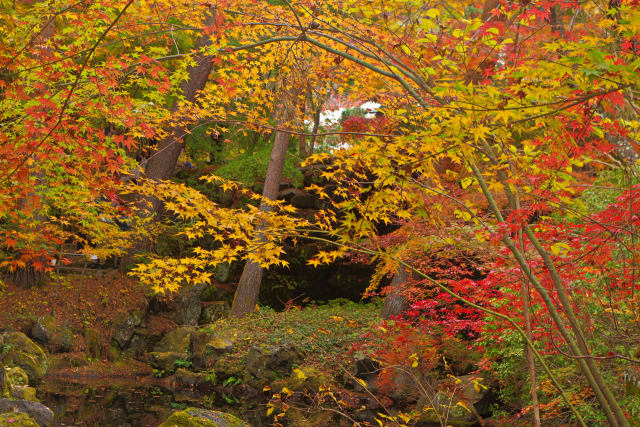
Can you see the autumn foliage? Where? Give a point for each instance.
(494, 119)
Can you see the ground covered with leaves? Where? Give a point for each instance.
(326, 335)
(94, 300)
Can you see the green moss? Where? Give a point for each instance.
(303, 378)
(24, 353)
(342, 326)
(93, 342)
(17, 376)
(196, 417)
(177, 340)
(17, 419)
(166, 361)
(5, 385)
(250, 166)
(24, 392)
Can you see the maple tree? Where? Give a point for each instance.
(537, 97)
(495, 115)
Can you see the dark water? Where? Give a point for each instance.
(131, 401)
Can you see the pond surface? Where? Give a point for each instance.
(93, 399)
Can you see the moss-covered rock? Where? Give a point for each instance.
(125, 326)
(196, 417)
(42, 415)
(93, 343)
(47, 332)
(206, 349)
(17, 376)
(5, 385)
(166, 361)
(219, 346)
(20, 351)
(303, 378)
(200, 358)
(267, 363)
(189, 308)
(177, 341)
(230, 367)
(24, 392)
(17, 420)
(194, 380)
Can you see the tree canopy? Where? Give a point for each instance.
(495, 117)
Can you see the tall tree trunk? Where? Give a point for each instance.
(396, 302)
(162, 162)
(316, 125)
(533, 388)
(307, 150)
(246, 296)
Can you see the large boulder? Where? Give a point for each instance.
(405, 384)
(186, 379)
(206, 349)
(479, 392)
(189, 307)
(177, 340)
(166, 362)
(303, 378)
(124, 327)
(218, 346)
(172, 349)
(196, 417)
(367, 369)
(57, 338)
(270, 362)
(40, 413)
(20, 351)
(24, 392)
(93, 343)
(17, 419)
(143, 341)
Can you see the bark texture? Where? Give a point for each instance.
(162, 162)
(246, 296)
(396, 302)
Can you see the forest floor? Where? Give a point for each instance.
(326, 335)
(93, 300)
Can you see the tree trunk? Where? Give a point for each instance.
(396, 302)
(28, 276)
(533, 388)
(162, 162)
(248, 291)
(314, 131)
(246, 296)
